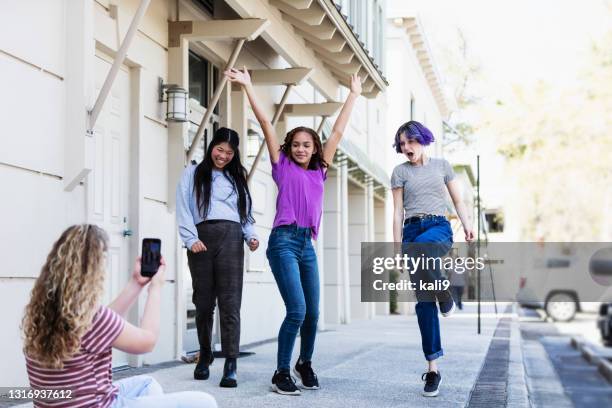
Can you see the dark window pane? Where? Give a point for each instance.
(198, 78)
(215, 82)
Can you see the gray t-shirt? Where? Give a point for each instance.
(424, 186)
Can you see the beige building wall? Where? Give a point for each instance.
(53, 68)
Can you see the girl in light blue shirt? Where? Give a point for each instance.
(214, 218)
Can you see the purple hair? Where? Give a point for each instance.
(413, 130)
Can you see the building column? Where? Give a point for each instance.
(358, 232)
(332, 259)
(344, 242)
(178, 73)
(320, 250)
(381, 227)
(371, 309)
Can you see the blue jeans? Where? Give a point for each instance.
(143, 391)
(429, 230)
(294, 265)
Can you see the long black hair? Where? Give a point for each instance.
(234, 171)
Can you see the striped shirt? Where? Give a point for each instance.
(88, 374)
(424, 187)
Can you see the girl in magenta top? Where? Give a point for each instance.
(299, 168)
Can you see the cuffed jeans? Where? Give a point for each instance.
(217, 274)
(294, 265)
(429, 230)
(143, 391)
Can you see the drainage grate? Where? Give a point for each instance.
(490, 388)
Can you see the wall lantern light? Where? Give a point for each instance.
(176, 101)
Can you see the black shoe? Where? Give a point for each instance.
(229, 374)
(446, 303)
(283, 383)
(432, 382)
(304, 372)
(201, 371)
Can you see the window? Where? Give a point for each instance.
(203, 79)
(495, 221)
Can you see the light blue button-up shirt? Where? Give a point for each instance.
(223, 206)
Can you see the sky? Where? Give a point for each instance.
(514, 42)
(518, 41)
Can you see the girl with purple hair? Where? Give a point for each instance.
(419, 197)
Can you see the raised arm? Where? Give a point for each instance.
(138, 340)
(243, 78)
(338, 130)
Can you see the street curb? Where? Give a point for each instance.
(604, 366)
(517, 383)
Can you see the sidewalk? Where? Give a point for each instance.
(375, 363)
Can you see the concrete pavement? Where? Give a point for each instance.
(375, 363)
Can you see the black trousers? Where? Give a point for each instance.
(216, 274)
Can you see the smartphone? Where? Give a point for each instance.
(151, 257)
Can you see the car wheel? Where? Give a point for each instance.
(561, 307)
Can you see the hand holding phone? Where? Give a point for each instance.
(151, 257)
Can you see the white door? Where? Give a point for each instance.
(107, 186)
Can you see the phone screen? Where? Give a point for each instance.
(151, 256)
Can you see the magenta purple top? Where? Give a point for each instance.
(300, 194)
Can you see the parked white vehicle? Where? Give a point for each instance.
(561, 285)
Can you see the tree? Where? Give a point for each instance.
(558, 143)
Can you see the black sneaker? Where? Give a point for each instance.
(303, 371)
(283, 383)
(432, 382)
(446, 303)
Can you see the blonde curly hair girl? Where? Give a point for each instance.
(65, 296)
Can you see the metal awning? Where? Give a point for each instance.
(326, 32)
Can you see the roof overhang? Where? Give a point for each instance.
(418, 40)
(327, 33)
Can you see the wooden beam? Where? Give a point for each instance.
(247, 29)
(323, 31)
(298, 4)
(344, 56)
(373, 94)
(311, 16)
(341, 76)
(119, 58)
(281, 37)
(350, 68)
(335, 44)
(369, 85)
(312, 109)
(294, 76)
